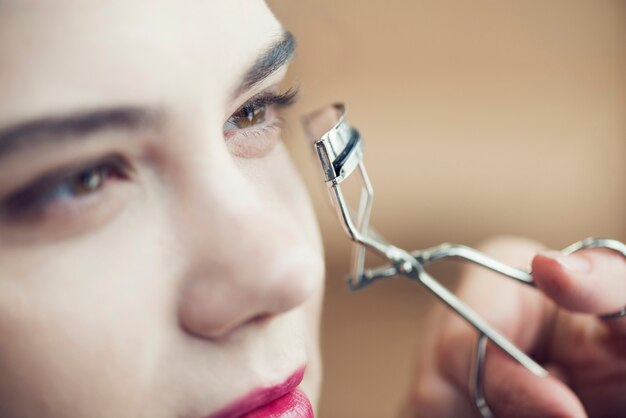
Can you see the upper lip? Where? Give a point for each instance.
(259, 397)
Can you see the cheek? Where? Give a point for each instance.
(78, 325)
(52, 351)
(313, 378)
(285, 195)
(291, 199)
(289, 191)
(278, 180)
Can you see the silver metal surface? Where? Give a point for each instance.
(477, 374)
(340, 151)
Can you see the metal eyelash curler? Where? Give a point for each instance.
(340, 151)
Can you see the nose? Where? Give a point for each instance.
(250, 257)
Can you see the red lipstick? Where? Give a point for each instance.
(281, 401)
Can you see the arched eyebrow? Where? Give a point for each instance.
(129, 118)
(272, 59)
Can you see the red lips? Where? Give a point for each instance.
(294, 404)
(281, 401)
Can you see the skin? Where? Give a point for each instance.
(196, 278)
(190, 282)
(585, 355)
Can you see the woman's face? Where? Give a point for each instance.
(158, 254)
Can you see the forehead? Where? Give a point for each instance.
(68, 53)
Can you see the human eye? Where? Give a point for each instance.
(253, 130)
(66, 196)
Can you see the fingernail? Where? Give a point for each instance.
(575, 263)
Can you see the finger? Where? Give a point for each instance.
(520, 313)
(590, 281)
(512, 391)
(435, 397)
(432, 395)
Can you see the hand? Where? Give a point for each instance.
(585, 355)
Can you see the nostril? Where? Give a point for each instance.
(222, 333)
(259, 320)
(213, 313)
(213, 306)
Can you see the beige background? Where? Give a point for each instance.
(480, 118)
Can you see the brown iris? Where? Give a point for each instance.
(249, 116)
(89, 181)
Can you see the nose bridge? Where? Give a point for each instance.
(243, 263)
(227, 217)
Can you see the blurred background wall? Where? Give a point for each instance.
(480, 118)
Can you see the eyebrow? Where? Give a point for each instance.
(129, 118)
(74, 126)
(273, 58)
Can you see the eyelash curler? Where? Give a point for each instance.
(340, 151)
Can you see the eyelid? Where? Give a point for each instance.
(280, 100)
(258, 139)
(34, 195)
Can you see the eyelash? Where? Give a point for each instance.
(263, 102)
(34, 200)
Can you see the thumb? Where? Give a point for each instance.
(591, 281)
